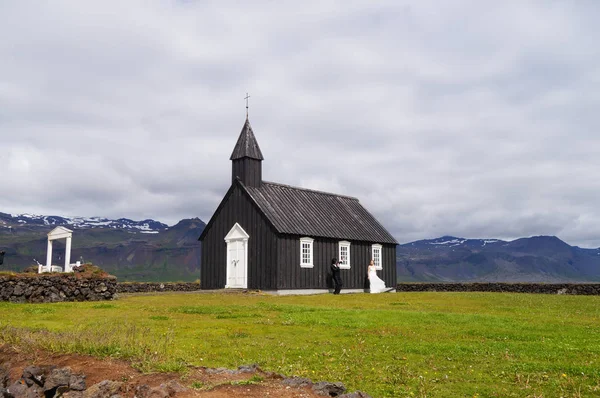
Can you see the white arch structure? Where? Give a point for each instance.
(58, 233)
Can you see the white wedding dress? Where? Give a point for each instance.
(375, 283)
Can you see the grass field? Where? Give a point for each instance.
(389, 345)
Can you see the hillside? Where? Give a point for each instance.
(534, 259)
(132, 250)
(149, 250)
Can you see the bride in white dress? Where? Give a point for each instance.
(375, 283)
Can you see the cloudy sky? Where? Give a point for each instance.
(466, 118)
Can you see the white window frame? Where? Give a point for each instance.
(374, 248)
(308, 241)
(347, 263)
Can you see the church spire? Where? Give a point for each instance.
(246, 158)
(246, 145)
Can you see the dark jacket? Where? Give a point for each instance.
(335, 270)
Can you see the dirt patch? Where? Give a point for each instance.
(199, 382)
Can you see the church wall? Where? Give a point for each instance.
(389, 272)
(292, 276)
(261, 244)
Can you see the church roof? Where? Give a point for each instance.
(306, 212)
(246, 145)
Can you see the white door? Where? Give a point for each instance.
(237, 258)
(236, 267)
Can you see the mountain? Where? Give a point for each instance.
(145, 250)
(534, 259)
(27, 220)
(149, 250)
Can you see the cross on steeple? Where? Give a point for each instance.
(246, 98)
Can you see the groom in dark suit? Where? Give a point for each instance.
(337, 279)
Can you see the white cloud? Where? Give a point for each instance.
(475, 119)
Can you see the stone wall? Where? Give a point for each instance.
(52, 288)
(545, 288)
(147, 287)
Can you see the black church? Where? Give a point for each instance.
(276, 237)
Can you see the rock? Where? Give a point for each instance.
(60, 391)
(18, 291)
(159, 392)
(248, 368)
(17, 299)
(297, 382)
(104, 389)
(145, 391)
(73, 394)
(142, 391)
(35, 391)
(17, 390)
(4, 377)
(173, 387)
(329, 389)
(77, 382)
(36, 374)
(58, 377)
(355, 394)
(221, 370)
(4, 393)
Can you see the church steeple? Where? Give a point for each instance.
(247, 158)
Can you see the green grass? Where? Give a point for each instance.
(389, 345)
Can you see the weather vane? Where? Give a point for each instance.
(247, 96)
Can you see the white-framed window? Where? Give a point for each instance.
(344, 254)
(376, 256)
(306, 252)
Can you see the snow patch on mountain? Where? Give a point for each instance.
(147, 226)
(452, 242)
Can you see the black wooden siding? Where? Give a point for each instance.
(292, 276)
(262, 246)
(388, 273)
(248, 170)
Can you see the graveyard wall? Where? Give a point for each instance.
(540, 288)
(56, 287)
(147, 287)
(544, 288)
